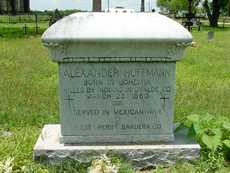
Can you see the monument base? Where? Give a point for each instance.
(49, 148)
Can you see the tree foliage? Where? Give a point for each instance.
(213, 9)
(175, 6)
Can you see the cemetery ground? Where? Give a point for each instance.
(28, 100)
(21, 29)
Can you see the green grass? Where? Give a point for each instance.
(29, 97)
(203, 77)
(18, 29)
(14, 26)
(22, 18)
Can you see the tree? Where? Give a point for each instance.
(13, 7)
(26, 6)
(176, 6)
(142, 5)
(229, 8)
(97, 5)
(213, 9)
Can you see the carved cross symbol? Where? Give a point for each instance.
(117, 120)
(164, 99)
(69, 99)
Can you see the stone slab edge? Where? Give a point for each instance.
(49, 148)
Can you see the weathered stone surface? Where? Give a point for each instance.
(117, 86)
(48, 147)
(116, 37)
(117, 76)
(117, 102)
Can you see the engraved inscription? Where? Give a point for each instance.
(117, 98)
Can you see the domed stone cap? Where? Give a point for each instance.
(116, 37)
(107, 27)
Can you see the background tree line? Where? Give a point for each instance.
(211, 8)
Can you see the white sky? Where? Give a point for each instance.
(87, 4)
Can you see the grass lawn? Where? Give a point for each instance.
(13, 30)
(29, 97)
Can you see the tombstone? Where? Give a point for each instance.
(210, 35)
(117, 85)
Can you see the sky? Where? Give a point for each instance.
(87, 4)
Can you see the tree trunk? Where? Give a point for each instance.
(26, 6)
(13, 7)
(229, 8)
(216, 12)
(1, 7)
(213, 15)
(97, 6)
(142, 5)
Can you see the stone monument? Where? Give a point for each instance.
(117, 86)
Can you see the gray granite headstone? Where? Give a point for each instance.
(117, 76)
(116, 84)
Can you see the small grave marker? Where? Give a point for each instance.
(210, 35)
